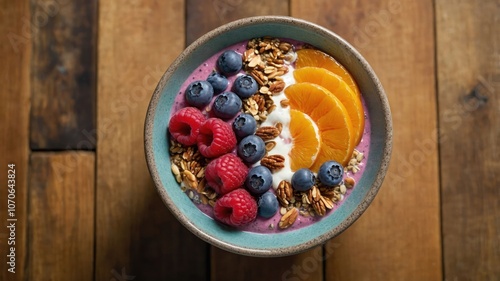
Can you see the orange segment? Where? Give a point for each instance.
(331, 117)
(313, 57)
(341, 90)
(306, 144)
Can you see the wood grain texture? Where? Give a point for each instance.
(63, 74)
(398, 237)
(15, 48)
(307, 266)
(136, 235)
(203, 16)
(61, 221)
(468, 57)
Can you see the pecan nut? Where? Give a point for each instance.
(273, 162)
(284, 192)
(267, 132)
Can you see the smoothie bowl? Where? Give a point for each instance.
(268, 136)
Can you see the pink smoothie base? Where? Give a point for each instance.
(262, 225)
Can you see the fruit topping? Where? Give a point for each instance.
(236, 208)
(185, 124)
(267, 205)
(330, 173)
(251, 149)
(317, 58)
(245, 86)
(226, 173)
(215, 138)
(227, 105)
(259, 180)
(331, 117)
(199, 94)
(229, 62)
(218, 81)
(303, 179)
(336, 86)
(244, 125)
(305, 142)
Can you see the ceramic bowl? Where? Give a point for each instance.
(287, 242)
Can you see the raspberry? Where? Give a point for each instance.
(185, 125)
(215, 138)
(226, 173)
(236, 208)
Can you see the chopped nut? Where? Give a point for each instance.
(359, 157)
(285, 102)
(328, 203)
(349, 182)
(270, 145)
(288, 218)
(279, 126)
(343, 189)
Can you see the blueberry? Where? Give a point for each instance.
(267, 205)
(259, 180)
(229, 62)
(218, 81)
(331, 173)
(251, 149)
(199, 93)
(244, 125)
(245, 86)
(226, 105)
(302, 179)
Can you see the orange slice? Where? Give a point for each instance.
(305, 145)
(331, 117)
(341, 90)
(313, 57)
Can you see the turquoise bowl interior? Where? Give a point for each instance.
(289, 242)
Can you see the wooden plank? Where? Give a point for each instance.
(14, 130)
(136, 235)
(63, 73)
(305, 266)
(224, 265)
(61, 237)
(398, 237)
(203, 16)
(468, 62)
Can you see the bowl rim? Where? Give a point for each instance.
(288, 250)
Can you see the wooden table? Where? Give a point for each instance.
(76, 79)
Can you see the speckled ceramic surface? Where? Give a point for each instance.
(290, 242)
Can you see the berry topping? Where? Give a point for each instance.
(229, 62)
(227, 105)
(331, 173)
(185, 125)
(251, 149)
(215, 138)
(218, 81)
(226, 173)
(236, 208)
(267, 205)
(199, 93)
(303, 179)
(244, 125)
(245, 86)
(259, 180)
